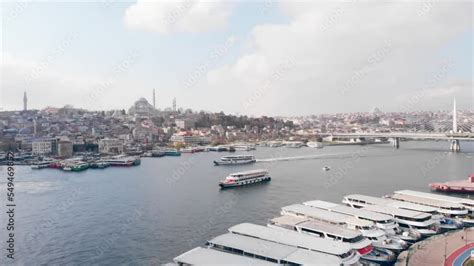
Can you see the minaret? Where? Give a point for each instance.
(174, 104)
(455, 119)
(25, 102)
(154, 102)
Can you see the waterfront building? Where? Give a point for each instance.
(65, 149)
(43, 146)
(190, 139)
(111, 146)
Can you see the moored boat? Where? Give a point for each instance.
(40, 165)
(245, 178)
(172, 152)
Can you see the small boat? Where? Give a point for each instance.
(236, 160)
(315, 144)
(326, 168)
(157, 153)
(293, 144)
(245, 178)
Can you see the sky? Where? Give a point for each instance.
(242, 57)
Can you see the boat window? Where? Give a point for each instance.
(355, 239)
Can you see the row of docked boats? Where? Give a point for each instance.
(363, 230)
(77, 165)
(293, 144)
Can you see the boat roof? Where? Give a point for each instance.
(319, 214)
(238, 156)
(273, 250)
(291, 238)
(201, 256)
(426, 201)
(393, 203)
(250, 172)
(289, 220)
(316, 225)
(397, 212)
(468, 202)
(339, 208)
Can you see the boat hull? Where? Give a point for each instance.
(245, 182)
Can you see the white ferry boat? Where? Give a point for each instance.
(236, 160)
(345, 253)
(334, 233)
(444, 223)
(315, 144)
(382, 221)
(467, 203)
(243, 147)
(245, 178)
(40, 165)
(367, 228)
(273, 252)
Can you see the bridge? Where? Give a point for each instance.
(455, 136)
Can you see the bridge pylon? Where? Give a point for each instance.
(455, 146)
(396, 142)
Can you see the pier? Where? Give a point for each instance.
(446, 249)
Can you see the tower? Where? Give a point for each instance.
(174, 104)
(25, 102)
(455, 119)
(154, 100)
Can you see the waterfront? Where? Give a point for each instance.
(152, 213)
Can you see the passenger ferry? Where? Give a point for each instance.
(367, 228)
(444, 223)
(172, 152)
(123, 161)
(467, 203)
(334, 233)
(245, 178)
(76, 167)
(382, 221)
(273, 252)
(236, 160)
(40, 165)
(344, 251)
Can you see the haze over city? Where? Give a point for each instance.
(257, 58)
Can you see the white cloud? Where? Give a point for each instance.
(178, 16)
(348, 57)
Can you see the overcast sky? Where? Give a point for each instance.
(253, 57)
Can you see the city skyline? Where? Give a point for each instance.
(228, 57)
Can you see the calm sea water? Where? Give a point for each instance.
(149, 214)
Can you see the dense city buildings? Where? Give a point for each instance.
(65, 131)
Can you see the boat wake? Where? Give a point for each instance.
(310, 157)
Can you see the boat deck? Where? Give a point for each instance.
(455, 186)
